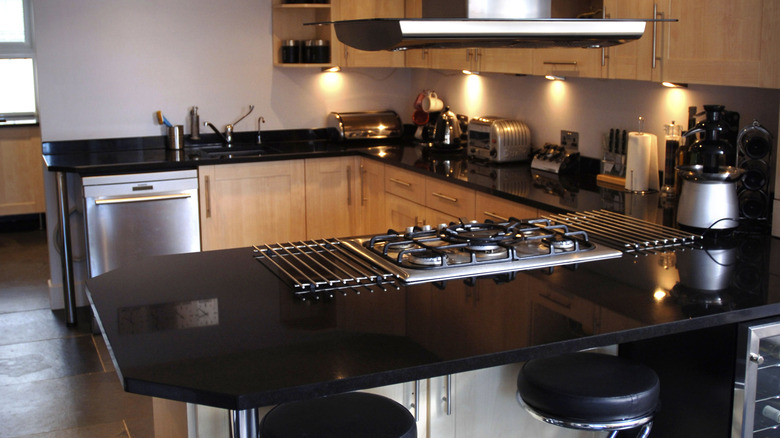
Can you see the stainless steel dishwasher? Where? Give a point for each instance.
(136, 215)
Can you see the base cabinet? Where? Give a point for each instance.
(251, 203)
(21, 171)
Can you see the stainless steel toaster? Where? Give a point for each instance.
(499, 140)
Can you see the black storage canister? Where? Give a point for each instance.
(321, 51)
(291, 51)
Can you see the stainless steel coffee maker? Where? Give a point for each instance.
(708, 198)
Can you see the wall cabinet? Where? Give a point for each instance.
(583, 63)
(288, 24)
(353, 10)
(21, 171)
(641, 59)
(251, 203)
(722, 42)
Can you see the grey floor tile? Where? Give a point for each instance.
(69, 403)
(49, 359)
(35, 325)
(21, 298)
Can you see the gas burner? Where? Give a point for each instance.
(479, 236)
(560, 243)
(430, 257)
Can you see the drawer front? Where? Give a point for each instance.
(498, 209)
(449, 198)
(406, 184)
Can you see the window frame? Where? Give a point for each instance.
(22, 50)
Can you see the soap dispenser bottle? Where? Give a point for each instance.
(194, 124)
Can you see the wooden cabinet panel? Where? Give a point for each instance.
(331, 202)
(21, 171)
(714, 42)
(252, 203)
(371, 196)
(353, 10)
(401, 213)
(498, 209)
(634, 60)
(449, 198)
(406, 184)
(583, 63)
(288, 24)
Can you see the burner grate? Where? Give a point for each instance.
(325, 265)
(625, 233)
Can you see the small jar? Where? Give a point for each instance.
(291, 51)
(320, 51)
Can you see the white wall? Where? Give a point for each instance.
(105, 67)
(590, 106)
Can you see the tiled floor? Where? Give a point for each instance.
(54, 381)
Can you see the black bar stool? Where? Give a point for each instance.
(590, 391)
(354, 414)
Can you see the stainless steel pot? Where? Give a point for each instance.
(708, 200)
(446, 131)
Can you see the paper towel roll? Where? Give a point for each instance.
(642, 162)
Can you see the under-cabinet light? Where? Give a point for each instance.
(554, 78)
(333, 69)
(673, 85)
(469, 72)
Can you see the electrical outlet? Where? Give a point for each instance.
(570, 139)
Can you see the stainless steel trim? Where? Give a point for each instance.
(655, 32)
(129, 199)
(449, 394)
(560, 62)
(624, 232)
(68, 283)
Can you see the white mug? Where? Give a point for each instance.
(431, 103)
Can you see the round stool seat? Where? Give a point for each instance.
(350, 415)
(589, 387)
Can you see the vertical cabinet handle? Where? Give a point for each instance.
(349, 185)
(655, 32)
(449, 394)
(208, 197)
(363, 172)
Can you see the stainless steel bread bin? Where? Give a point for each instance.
(365, 124)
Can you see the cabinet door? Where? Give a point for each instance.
(454, 200)
(353, 10)
(371, 196)
(714, 42)
(583, 63)
(252, 203)
(331, 204)
(401, 213)
(498, 209)
(513, 61)
(21, 171)
(634, 60)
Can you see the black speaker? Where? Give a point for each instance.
(754, 147)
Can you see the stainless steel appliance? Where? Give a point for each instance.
(555, 159)
(135, 215)
(457, 250)
(365, 125)
(757, 386)
(499, 140)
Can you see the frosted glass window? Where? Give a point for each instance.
(17, 87)
(12, 22)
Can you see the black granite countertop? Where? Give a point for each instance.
(218, 328)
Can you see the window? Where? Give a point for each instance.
(17, 63)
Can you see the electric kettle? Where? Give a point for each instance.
(446, 130)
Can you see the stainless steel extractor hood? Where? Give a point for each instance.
(486, 23)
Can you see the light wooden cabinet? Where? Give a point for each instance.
(252, 203)
(353, 10)
(641, 59)
(331, 201)
(722, 42)
(371, 198)
(401, 213)
(288, 24)
(449, 198)
(498, 209)
(582, 63)
(21, 171)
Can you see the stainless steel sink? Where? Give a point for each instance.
(218, 150)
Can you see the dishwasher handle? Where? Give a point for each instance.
(128, 199)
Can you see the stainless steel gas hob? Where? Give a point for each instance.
(429, 254)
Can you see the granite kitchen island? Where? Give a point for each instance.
(220, 329)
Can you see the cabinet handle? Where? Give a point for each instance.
(655, 30)
(445, 197)
(551, 299)
(363, 172)
(560, 62)
(449, 394)
(208, 197)
(416, 400)
(349, 185)
(495, 216)
(400, 182)
(130, 199)
(757, 358)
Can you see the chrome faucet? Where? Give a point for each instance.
(227, 137)
(260, 121)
